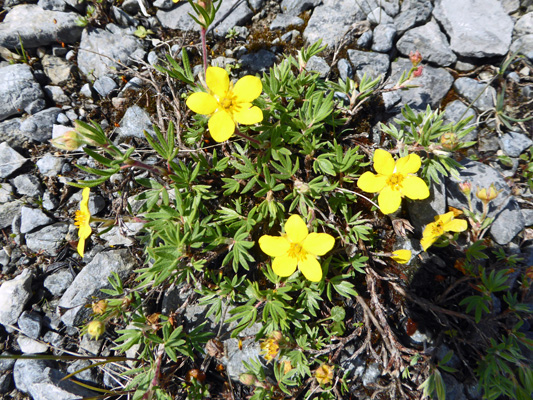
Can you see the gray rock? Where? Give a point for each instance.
(101, 50)
(135, 121)
(524, 26)
(104, 86)
(365, 40)
(30, 324)
(318, 64)
(10, 160)
(455, 111)
(90, 280)
(60, 5)
(416, 13)
(470, 89)
(11, 134)
(476, 28)
(39, 126)
(523, 45)
(153, 59)
(256, 5)
(122, 18)
(56, 94)
(296, 7)
(434, 84)
(258, 62)
(57, 69)
(164, 4)
(33, 218)
(514, 143)
(131, 6)
(508, 220)
(8, 211)
(430, 42)
(527, 213)
(54, 338)
(88, 376)
(115, 237)
(52, 386)
(58, 282)
(232, 13)
(422, 212)
(50, 165)
(372, 64)
(86, 90)
(345, 69)
(383, 37)
(31, 346)
(28, 372)
(6, 376)
(379, 16)
(510, 6)
(454, 389)
(177, 17)
(332, 20)
(36, 27)
(235, 360)
(14, 294)
(19, 90)
(284, 21)
(27, 185)
(371, 374)
(6, 193)
(48, 240)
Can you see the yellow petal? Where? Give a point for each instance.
(274, 246)
(383, 162)
(408, 164)
(221, 126)
(81, 246)
(389, 200)
(371, 183)
(415, 188)
(202, 103)
(217, 80)
(311, 268)
(456, 225)
(284, 265)
(318, 243)
(296, 229)
(401, 256)
(247, 115)
(247, 89)
(445, 218)
(427, 241)
(85, 231)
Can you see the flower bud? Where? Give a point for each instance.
(449, 141)
(486, 195)
(248, 379)
(301, 187)
(465, 187)
(69, 141)
(418, 72)
(96, 329)
(99, 307)
(415, 57)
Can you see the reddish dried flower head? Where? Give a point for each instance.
(415, 57)
(418, 72)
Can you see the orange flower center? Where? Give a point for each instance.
(395, 180)
(437, 229)
(81, 218)
(296, 251)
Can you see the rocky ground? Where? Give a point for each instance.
(104, 71)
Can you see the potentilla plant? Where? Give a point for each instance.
(257, 214)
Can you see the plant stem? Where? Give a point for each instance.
(139, 164)
(251, 139)
(203, 33)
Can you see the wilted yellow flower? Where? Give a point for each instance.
(287, 366)
(82, 220)
(394, 180)
(297, 248)
(96, 329)
(324, 374)
(486, 195)
(99, 307)
(270, 349)
(443, 223)
(401, 256)
(227, 104)
(70, 141)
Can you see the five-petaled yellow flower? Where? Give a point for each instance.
(297, 248)
(443, 223)
(394, 180)
(324, 374)
(82, 220)
(227, 104)
(401, 256)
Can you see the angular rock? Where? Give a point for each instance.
(36, 27)
(523, 45)
(372, 64)
(456, 111)
(296, 7)
(104, 85)
(56, 94)
(58, 282)
(476, 28)
(28, 372)
(331, 20)
(178, 17)
(284, 21)
(33, 218)
(135, 121)
(434, 84)
(31, 346)
(10, 160)
(383, 37)
(39, 126)
(524, 26)
(416, 13)
(92, 278)
(232, 13)
(101, 50)
(27, 185)
(115, 237)
(365, 40)
(318, 64)
(57, 69)
(379, 16)
(345, 69)
(6, 376)
(14, 294)
(258, 62)
(235, 360)
(48, 240)
(430, 42)
(8, 211)
(514, 143)
(11, 134)
(19, 90)
(470, 89)
(50, 165)
(6, 193)
(30, 324)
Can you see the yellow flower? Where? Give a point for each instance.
(443, 223)
(82, 220)
(95, 329)
(227, 104)
(394, 180)
(324, 374)
(270, 349)
(401, 256)
(297, 248)
(486, 195)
